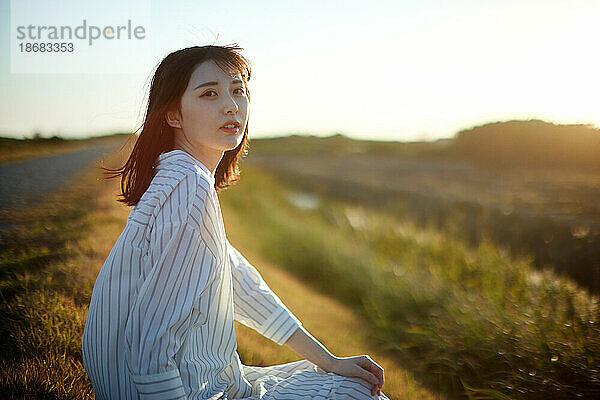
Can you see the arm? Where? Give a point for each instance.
(255, 304)
(303, 343)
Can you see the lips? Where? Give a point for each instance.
(234, 130)
(232, 122)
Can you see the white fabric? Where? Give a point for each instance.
(161, 319)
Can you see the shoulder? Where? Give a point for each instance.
(182, 191)
(180, 168)
(189, 196)
(175, 196)
(167, 183)
(193, 205)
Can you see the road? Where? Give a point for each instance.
(25, 183)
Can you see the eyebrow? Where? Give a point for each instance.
(214, 83)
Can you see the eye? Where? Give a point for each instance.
(242, 90)
(210, 91)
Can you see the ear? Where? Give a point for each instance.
(173, 119)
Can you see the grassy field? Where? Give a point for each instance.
(49, 264)
(552, 214)
(440, 315)
(460, 318)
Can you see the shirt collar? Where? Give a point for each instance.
(185, 157)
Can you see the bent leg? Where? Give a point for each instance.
(283, 371)
(353, 388)
(305, 380)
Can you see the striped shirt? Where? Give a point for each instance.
(161, 319)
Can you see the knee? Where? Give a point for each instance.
(305, 364)
(352, 388)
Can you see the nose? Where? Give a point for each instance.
(231, 106)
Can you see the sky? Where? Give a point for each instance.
(386, 70)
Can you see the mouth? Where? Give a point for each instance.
(231, 127)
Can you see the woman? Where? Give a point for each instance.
(161, 318)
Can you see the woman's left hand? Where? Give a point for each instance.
(359, 366)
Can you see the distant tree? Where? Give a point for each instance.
(533, 144)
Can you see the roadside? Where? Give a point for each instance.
(47, 274)
(20, 150)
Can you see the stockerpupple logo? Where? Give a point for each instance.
(79, 37)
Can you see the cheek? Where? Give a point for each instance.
(244, 106)
(196, 114)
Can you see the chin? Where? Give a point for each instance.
(232, 145)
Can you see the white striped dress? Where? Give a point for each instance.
(161, 319)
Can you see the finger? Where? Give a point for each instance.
(377, 371)
(374, 390)
(367, 376)
(373, 367)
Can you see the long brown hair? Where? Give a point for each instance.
(166, 89)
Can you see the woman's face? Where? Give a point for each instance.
(211, 99)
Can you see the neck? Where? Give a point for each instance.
(209, 159)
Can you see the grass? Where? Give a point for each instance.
(438, 315)
(464, 320)
(331, 321)
(48, 266)
(552, 214)
(44, 293)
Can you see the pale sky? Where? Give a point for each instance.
(386, 70)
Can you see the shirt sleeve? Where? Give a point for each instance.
(255, 304)
(182, 268)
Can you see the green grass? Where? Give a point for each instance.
(43, 299)
(466, 320)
